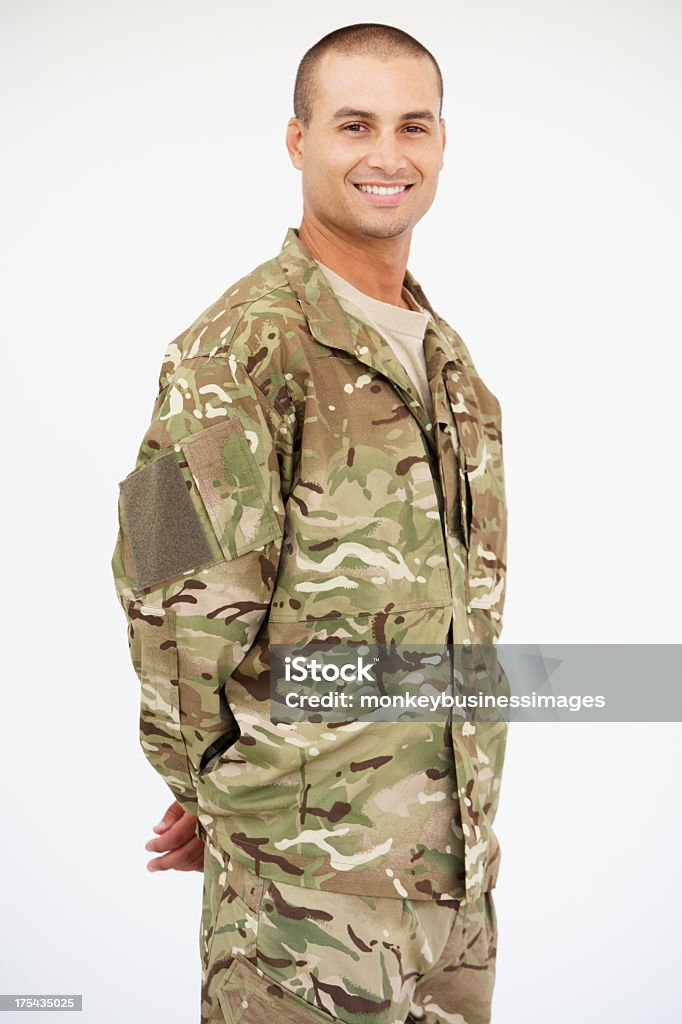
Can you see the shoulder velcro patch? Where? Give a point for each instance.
(164, 529)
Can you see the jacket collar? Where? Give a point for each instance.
(331, 326)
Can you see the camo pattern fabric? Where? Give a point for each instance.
(291, 489)
(274, 950)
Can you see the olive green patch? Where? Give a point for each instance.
(164, 530)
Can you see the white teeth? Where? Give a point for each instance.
(382, 190)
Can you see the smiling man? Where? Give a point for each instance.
(324, 463)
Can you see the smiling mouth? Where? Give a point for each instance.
(383, 190)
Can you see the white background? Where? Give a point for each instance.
(144, 170)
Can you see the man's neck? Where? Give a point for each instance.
(374, 265)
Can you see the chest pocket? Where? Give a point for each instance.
(363, 528)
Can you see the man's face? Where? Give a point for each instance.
(374, 123)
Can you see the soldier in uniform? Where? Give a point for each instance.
(324, 462)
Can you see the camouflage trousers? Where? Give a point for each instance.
(279, 953)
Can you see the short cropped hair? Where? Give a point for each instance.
(367, 39)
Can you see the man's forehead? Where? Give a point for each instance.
(381, 87)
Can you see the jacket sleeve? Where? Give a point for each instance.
(200, 531)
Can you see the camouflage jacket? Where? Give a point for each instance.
(291, 488)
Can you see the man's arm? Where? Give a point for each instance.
(200, 531)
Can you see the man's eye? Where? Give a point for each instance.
(348, 127)
(414, 128)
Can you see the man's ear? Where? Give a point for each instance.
(294, 142)
(443, 133)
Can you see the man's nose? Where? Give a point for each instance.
(386, 154)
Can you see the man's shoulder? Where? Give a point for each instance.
(248, 313)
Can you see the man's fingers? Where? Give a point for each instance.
(175, 836)
(172, 815)
(187, 858)
(199, 863)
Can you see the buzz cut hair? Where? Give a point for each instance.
(366, 39)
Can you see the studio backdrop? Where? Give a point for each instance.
(144, 170)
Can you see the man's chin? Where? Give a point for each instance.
(388, 230)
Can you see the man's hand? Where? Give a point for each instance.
(178, 836)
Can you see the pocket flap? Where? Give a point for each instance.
(229, 480)
(248, 996)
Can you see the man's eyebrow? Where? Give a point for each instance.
(342, 112)
(418, 115)
(368, 115)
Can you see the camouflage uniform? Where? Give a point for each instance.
(289, 489)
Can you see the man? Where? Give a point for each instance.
(324, 463)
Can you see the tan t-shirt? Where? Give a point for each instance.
(403, 329)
